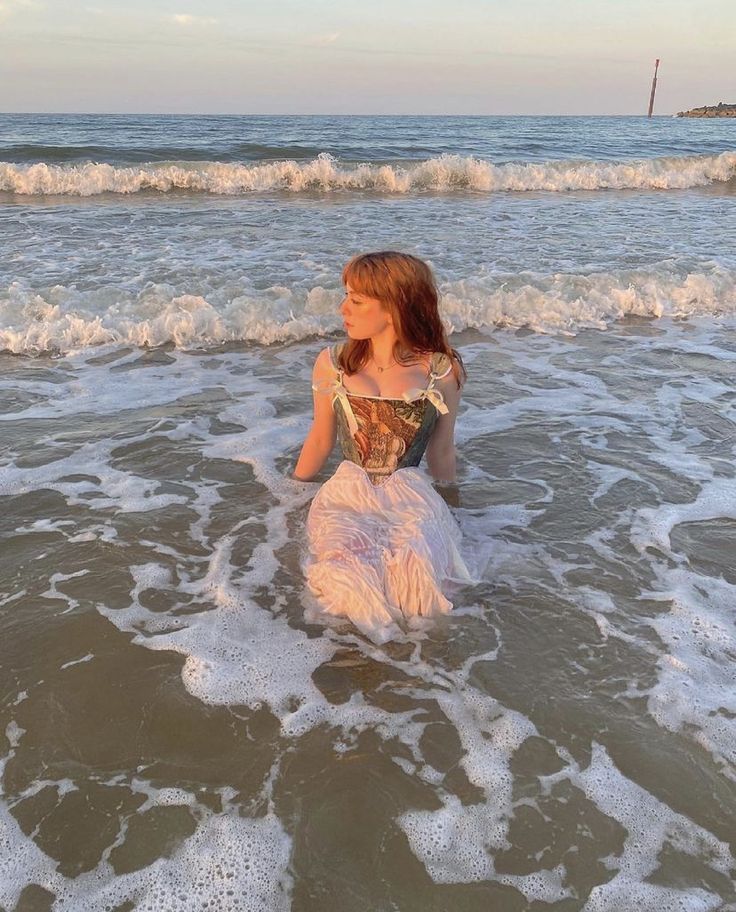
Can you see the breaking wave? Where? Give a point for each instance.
(325, 173)
(65, 318)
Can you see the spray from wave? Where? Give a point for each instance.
(445, 173)
(64, 318)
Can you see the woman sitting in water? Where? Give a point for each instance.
(381, 539)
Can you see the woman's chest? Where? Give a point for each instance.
(391, 383)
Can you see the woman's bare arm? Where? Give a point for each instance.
(441, 459)
(321, 437)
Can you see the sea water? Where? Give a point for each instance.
(183, 730)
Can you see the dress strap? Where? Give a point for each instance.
(336, 389)
(440, 366)
(334, 352)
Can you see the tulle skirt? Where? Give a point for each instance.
(379, 554)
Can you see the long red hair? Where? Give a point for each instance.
(406, 288)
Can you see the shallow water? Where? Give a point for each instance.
(182, 726)
(176, 728)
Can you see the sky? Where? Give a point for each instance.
(377, 57)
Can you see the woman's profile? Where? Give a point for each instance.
(381, 539)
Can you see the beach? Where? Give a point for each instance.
(183, 728)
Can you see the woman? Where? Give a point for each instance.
(381, 539)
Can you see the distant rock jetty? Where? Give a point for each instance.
(719, 110)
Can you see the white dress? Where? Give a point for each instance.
(381, 539)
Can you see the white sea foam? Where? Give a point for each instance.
(653, 526)
(64, 319)
(126, 492)
(695, 691)
(230, 863)
(650, 824)
(325, 173)
(457, 842)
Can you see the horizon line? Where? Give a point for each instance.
(309, 114)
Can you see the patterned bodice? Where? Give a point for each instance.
(383, 434)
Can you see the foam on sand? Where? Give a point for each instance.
(230, 863)
(650, 824)
(456, 843)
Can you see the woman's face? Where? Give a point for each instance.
(363, 317)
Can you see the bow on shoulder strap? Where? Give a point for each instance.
(335, 389)
(434, 396)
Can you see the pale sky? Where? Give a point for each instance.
(370, 57)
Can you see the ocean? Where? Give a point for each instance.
(182, 729)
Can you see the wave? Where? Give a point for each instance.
(445, 173)
(64, 319)
(126, 156)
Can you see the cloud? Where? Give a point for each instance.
(188, 21)
(8, 7)
(325, 39)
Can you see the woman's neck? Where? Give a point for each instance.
(382, 347)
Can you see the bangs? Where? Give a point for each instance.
(405, 288)
(364, 278)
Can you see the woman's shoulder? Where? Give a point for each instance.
(327, 361)
(447, 371)
(441, 365)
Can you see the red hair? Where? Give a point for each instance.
(406, 288)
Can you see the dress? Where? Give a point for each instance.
(381, 539)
